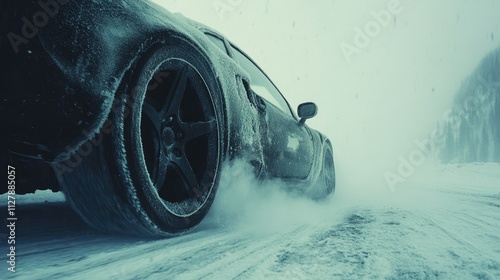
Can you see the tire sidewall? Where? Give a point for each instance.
(136, 179)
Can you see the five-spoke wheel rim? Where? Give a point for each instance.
(179, 133)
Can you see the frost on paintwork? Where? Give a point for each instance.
(293, 143)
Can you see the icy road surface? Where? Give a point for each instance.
(444, 225)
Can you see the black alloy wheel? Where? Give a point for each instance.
(156, 171)
(179, 137)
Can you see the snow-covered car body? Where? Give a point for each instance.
(74, 79)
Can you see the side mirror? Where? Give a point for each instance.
(306, 111)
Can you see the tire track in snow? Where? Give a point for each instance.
(96, 255)
(464, 252)
(242, 258)
(332, 251)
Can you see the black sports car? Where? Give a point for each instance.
(131, 110)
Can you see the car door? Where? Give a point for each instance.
(287, 145)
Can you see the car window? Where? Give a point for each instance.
(260, 84)
(217, 41)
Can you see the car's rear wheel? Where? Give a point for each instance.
(156, 170)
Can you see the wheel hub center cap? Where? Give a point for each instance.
(168, 136)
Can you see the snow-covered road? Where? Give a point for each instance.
(443, 224)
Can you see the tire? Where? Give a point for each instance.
(328, 170)
(325, 185)
(155, 172)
